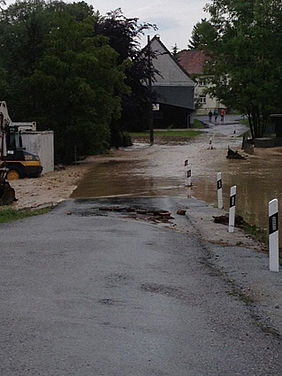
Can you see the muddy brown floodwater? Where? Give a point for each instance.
(258, 180)
(159, 171)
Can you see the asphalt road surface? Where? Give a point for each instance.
(87, 292)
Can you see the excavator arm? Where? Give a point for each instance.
(4, 125)
(7, 193)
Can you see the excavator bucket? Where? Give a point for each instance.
(7, 193)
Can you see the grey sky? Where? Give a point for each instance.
(175, 18)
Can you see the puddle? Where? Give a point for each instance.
(159, 171)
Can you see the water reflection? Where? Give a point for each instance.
(159, 171)
(126, 178)
(258, 180)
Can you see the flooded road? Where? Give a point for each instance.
(149, 171)
(160, 171)
(258, 180)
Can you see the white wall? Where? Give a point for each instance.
(42, 144)
(211, 103)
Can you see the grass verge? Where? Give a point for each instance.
(255, 232)
(10, 214)
(261, 235)
(169, 133)
(244, 121)
(197, 124)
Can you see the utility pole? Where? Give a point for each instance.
(151, 120)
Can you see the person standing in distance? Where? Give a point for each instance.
(210, 116)
(222, 114)
(215, 114)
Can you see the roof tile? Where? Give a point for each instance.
(192, 60)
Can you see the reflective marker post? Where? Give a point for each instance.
(219, 191)
(188, 175)
(273, 236)
(232, 209)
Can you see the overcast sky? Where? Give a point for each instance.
(175, 18)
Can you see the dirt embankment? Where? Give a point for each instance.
(49, 189)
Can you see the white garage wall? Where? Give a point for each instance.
(42, 144)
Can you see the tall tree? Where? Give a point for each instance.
(3, 83)
(245, 60)
(174, 50)
(202, 34)
(61, 73)
(76, 84)
(124, 36)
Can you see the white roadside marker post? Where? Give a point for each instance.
(273, 236)
(210, 144)
(219, 191)
(189, 175)
(232, 209)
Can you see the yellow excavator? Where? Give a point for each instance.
(20, 163)
(15, 161)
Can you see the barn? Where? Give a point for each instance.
(173, 89)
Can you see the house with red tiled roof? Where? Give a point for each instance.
(193, 62)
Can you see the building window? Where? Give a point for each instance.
(203, 99)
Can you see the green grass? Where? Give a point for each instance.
(197, 124)
(10, 214)
(259, 234)
(170, 133)
(256, 232)
(244, 121)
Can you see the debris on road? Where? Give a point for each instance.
(224, 220)
(153, 215)
(231, 154)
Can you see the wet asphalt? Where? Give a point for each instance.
(87, 292)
